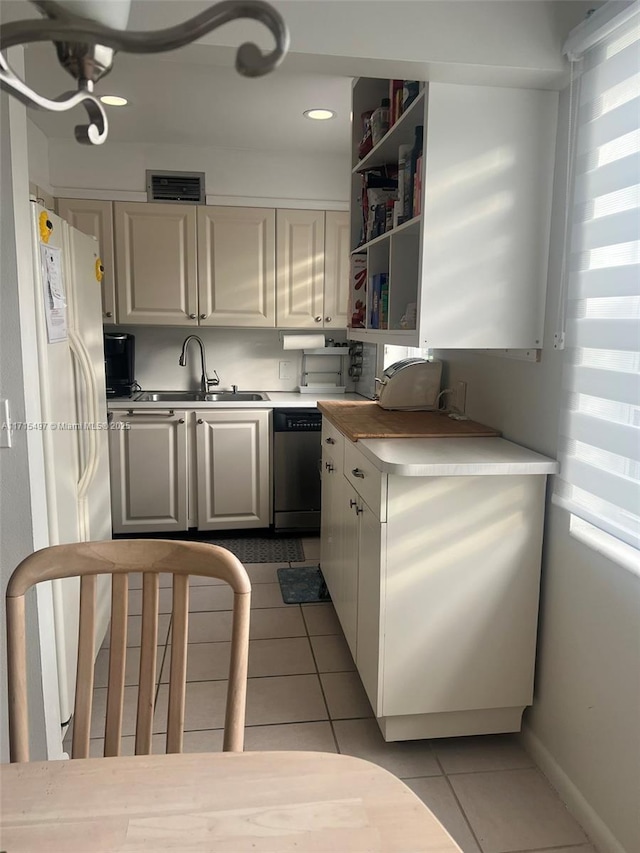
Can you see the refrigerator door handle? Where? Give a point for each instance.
(82, 357)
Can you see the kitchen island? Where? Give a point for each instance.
(431, 549)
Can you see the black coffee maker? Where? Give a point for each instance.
(119, 362)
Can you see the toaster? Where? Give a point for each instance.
(411, 384)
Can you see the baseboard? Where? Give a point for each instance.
(599, 833)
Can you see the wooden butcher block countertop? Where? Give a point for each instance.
(368, 420)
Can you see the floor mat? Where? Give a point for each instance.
(256, 549)
(302, 585)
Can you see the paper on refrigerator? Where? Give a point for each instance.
(55, 303)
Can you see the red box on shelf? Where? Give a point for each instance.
(358, 292)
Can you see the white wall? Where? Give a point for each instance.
(583, 726)
(38, 153)
(248, 358)
(117, 170)
(19, 530)
(489, 37)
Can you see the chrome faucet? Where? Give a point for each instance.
(206, 384)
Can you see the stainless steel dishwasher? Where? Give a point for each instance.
(296, 469)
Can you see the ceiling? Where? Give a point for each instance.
(200, 103)
(195, 97)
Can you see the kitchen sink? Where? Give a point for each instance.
(198, 397)
(230, 397)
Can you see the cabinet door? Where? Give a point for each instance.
(148, 461)
(300, 268)
(233, 469)
(330, 522)
(96, 218)
(336, 269)
(347, 567)
(371, 576)
(236, 266)
(156, 263)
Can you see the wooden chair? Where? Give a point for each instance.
(118, 558)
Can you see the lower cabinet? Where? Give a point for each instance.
(338, 535)
(435, 581)
(148, 461)
(171, 470)
(232, 451)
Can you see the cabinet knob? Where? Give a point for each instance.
(108, 313)
(200, 421)
(330, 441)
(329, 466)
(352, 503)
(359, 510)
(193, 316)
(203, 316)
(180, 420)
(327, 319)
(358, 473)
(318, 319)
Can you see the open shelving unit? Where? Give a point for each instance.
(470, 270)
(395, 252)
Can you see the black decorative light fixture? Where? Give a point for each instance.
(88, 33)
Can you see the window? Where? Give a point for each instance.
(599, 479)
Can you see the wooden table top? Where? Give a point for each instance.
(367, 420)
(222, 802)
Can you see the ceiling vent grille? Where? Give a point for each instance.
(182, 187)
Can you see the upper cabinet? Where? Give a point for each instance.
(231, 266)
(236, 266)
(96, 218)
(336, 269)
(461, 260)
(156, 263)
(300, 239)
(312, 269)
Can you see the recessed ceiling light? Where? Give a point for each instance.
(319, 115)
(114, 100)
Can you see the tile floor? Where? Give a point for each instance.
(304, 693)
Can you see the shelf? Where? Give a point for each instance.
(406, 227)
(402, 133)
(399, 337)
(327, 351)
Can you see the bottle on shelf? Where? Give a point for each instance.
(417, 187)
(404, 154)
(380, 121)
(410, 170)
(366, 143)
(395, 96)
(410, 91)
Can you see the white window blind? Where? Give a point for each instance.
(599, 478)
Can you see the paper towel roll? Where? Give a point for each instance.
(303, 341)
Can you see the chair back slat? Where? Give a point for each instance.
(237, 689)
(178, 672)
(117, 663)
(86, 658)
(151, 557)
(148, 661)
(17, 680)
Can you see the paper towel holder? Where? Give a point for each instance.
(299, 334)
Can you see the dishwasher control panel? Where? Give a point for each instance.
(296, 420)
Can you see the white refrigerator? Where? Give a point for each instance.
(74, 415)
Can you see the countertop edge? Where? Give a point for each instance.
(536, 463)
(277, 400)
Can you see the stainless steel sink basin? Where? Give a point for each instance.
(169, 396)
(198, 397)
(230, 397)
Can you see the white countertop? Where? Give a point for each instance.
(453, 457)
(277, 400)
